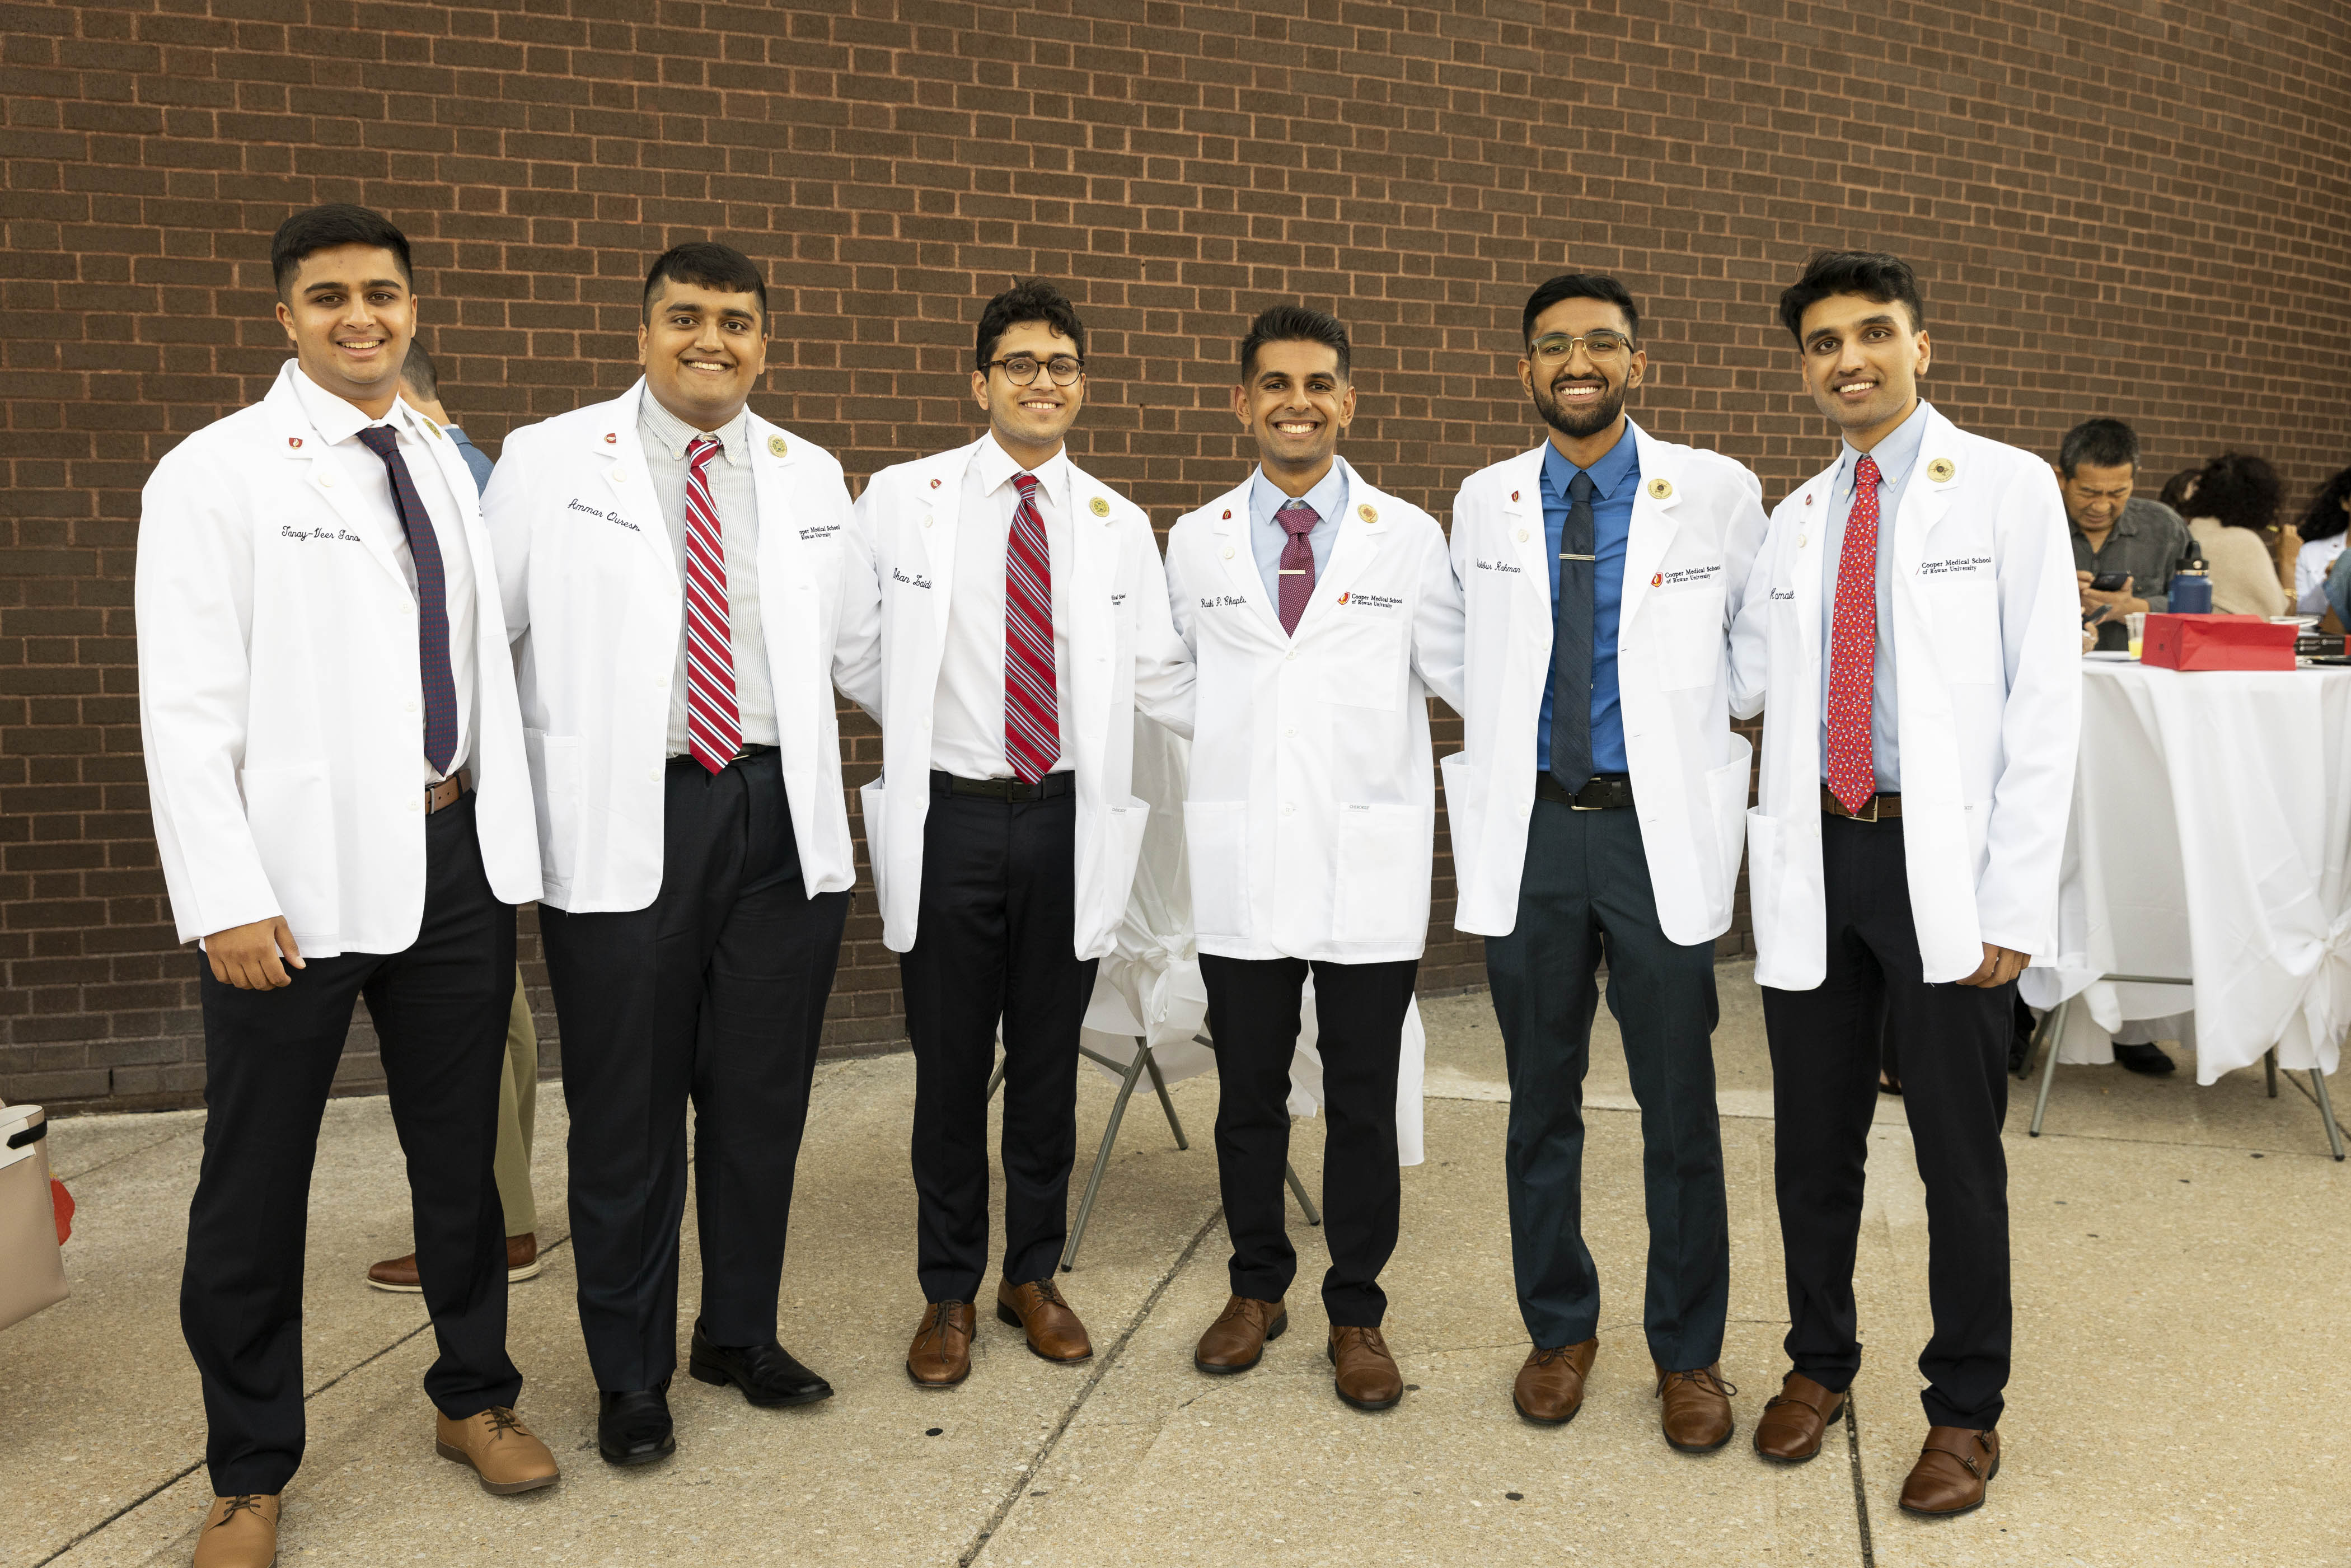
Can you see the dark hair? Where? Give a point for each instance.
(1033, 301)
(2178, 488)
(1872, 274)
(2326, 516)
(1294, 324)
(420, 373)
(708, 265)
(1579, 286)
(2239, 489)
(2098, 444)
(314, 229)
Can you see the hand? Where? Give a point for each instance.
(2119, 604)
(2000, 965)
(246, 956)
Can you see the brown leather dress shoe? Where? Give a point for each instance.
(1795, 1420)
(1367, 1375)
(940, 1356)
(1696, 1408)
(399, 1274)
(239, 1532)
(1036, 1308)
(1549, 1389)
(502, 1450)
(1953, 1469)
(1236, 1340)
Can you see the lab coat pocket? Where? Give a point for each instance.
(1725, 792)
(868, 801)
(1123, 836)
(1215, 846)
(1381, 891)
(291, 811)
(1967, 629)
(1361, 658)
(1686, 638)
(1464, 815)
(555, 790)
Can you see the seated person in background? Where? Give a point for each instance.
(2338, 588)
(2233, 509)
(2114, 531)
(2180, 489)
(2322, 529)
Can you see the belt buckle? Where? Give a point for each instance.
(1872, 811)
(1575, 805)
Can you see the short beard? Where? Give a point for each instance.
(1576, 427)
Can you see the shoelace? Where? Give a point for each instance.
(504, 1420)
(940, 1324)
(1049, 1291)
(243, 1502)
(1701, 1378)
(1368, 1337)
(1557, 1353)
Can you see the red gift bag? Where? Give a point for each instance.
(2216, 642)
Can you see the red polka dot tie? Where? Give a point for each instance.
(1853, 647)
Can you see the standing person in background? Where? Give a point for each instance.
(1599, 810)
(2323, 530)
(1320, 613)
(2232, 513)
(679, 579)
(335, 765)
(2116, 532)
(420, 386)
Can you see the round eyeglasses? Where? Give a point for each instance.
(1021, 369)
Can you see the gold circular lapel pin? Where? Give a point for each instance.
(778, 447)
(1098, 507)
(1368, 514)
(1660, 489)
(1940, 469)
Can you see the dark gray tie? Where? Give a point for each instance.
(1571, 644)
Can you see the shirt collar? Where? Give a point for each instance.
(1896, 455)
(673, 435)
(340, 420)
(1329, 497)
(996, 468)
(1615, 465)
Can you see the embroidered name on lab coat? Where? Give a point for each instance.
(333, 535)
(1688, 574)
(897, 576)
(1221, 600)
(1956, 566)
(1497, 566)
(1357, 600)
(818, 531)
(614, 517)
(1787, 593)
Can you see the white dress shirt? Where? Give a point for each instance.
(340, 421)
(967, 713)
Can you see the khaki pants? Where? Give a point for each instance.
(517, 1106)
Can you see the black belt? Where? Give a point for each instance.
(1007, 789)
(1602, 792)
(745, 755)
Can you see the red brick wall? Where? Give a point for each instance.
(2130, 208)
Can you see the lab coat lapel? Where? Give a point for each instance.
(1363, 533)
(1234, 525)
(1653, 524)
(1523, 539)
(612, 441)
(931, 551)
(302, 444)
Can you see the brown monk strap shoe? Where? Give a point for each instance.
(1696, 1408)
(239, 1532)
(399, 1275)
(1953, 1469)
(1549, 1389)
(501, 1449)
(1795, 1419)
(940, 1356)
(1236, 1340)
(1367, 1375)
(1037, 1310)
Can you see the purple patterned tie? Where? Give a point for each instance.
(432, 599)
(1297, 567)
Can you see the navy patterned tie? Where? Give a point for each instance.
(431, 600)
(1571, 700)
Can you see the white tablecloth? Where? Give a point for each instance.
(2211, 841)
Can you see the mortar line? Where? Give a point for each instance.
(1860, 1493)
(1101, 1369)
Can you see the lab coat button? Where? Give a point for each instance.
(653, 774)
(1291, 655)
(1228, 552)
(1289, 729)
(410, 706)
(926, 522)
(1522, 536)
(327, 480)
(413, 805)
(1800, 541)
(1287, 808)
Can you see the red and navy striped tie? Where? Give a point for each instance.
(1032, 715)
(714, 728)
(432, 599)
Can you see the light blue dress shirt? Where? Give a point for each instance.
(1616, 478)
(477, 461)
(1328, 499)
(1897, 456)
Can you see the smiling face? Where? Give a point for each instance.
(2095, 496)
(1029, 421)
(1862, 360)
(1295, 402)
(703, 349)
(1581, 397)
(350, 315)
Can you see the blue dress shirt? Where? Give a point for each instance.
(1897, 456)
(1328, 499)
(1616, 478)
(477, 461)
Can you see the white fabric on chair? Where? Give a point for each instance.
(2210, 839)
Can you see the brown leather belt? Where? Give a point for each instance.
(1877, 808)
(440, 797)
(1601, 792)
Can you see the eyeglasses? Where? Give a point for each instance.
(1021, 369)
(1600, 348)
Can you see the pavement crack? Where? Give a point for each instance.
(1101, 1369)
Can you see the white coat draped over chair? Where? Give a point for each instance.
(1123, 655)
(593, 599)
(280, 691)
(1697, 524)
(1986, 630)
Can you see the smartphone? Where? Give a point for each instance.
(2096, 614)
(2109, 581)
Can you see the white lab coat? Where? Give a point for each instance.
(1987, 633)
(1697, 521)
(1123, 655)
(280, 694)
(594, 601)
(1311, 809)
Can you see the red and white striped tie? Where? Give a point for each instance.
(714, 728)
(1032, 715)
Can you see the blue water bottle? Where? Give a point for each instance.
(2191, 591)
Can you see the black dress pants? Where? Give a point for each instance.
(1585, 891)
(440, 1011)
(1825, 1062)
(994, 940)
(1253, 1021)
(714, 993)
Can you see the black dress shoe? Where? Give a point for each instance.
(2148, 1058)
(632, 1425)
(766, 1373)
